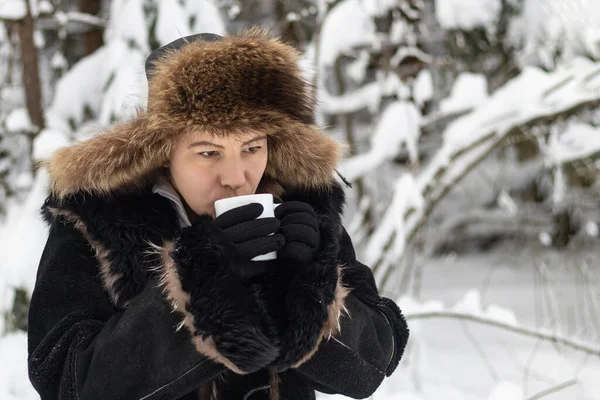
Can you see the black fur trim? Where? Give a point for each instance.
(311, 288)
(298, 297)
(222, 303)
(124, 225)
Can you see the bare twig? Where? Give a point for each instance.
(553, 389)
(479, 350)
(510, 351)
(550, 299)
(589, 286)
(552, 338)
(527, 370)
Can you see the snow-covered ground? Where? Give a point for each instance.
(453, 359)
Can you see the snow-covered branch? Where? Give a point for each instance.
(366, 97)
(78, 17)
(537, 334)
(483, 223)
(522, 103)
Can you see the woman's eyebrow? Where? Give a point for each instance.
(261, 137)
(205, 143)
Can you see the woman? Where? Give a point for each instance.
(142, 293)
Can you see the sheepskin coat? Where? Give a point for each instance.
(130, 304)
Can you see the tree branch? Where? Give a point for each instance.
(553, 389)
(567, 342)
(442, 174)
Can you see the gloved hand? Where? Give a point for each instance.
(247, 237)
(211, 267)
(299, 225)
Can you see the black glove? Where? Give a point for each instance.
(248, 236)
(212, 262)
(300, 228)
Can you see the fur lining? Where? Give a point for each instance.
(120, 230)
(335, 309)
(314, 292)
(180, 300)
(217, 306)
(102, 254)
(246, 81)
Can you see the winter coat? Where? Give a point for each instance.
(128, 304)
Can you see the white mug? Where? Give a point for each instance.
(265, 199)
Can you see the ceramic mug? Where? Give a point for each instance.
(265, 199)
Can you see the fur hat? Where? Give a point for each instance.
(219, 84)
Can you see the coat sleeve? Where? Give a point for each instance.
(81, 347)
(370, 342)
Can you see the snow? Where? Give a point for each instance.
(233, 11)
(47, 142)
(22, 237)
(406, 197)
(13, 9)
(378, 8)
(506, 391)
(467, 14)
(471, 304)
(576, 142)
(127, 23)
(399, 126)
(468, 91)
(82, 86)
(532, 94)
(505, 202)
(171, 23)
(551, 31)
(127, 90)
(592, 229)
(13, 368)
(18, 121)
(307, 63)
(337, 39)
(366, 97)
(423, 87)
(45, 7)
(59, 61)
(23, 181)
(207, 17)
(110, 82)
(459, 360)
(358, 68)
(545, 239)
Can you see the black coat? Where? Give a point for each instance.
(102, 326)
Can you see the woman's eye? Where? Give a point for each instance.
(253, 149)
(208, 154)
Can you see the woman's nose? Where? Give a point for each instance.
(233, 174)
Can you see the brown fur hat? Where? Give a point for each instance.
(245, 81)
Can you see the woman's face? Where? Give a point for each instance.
(205, 168)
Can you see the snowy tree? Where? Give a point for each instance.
(378, 86)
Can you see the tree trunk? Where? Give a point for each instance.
(31, 75)
(92, 39)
